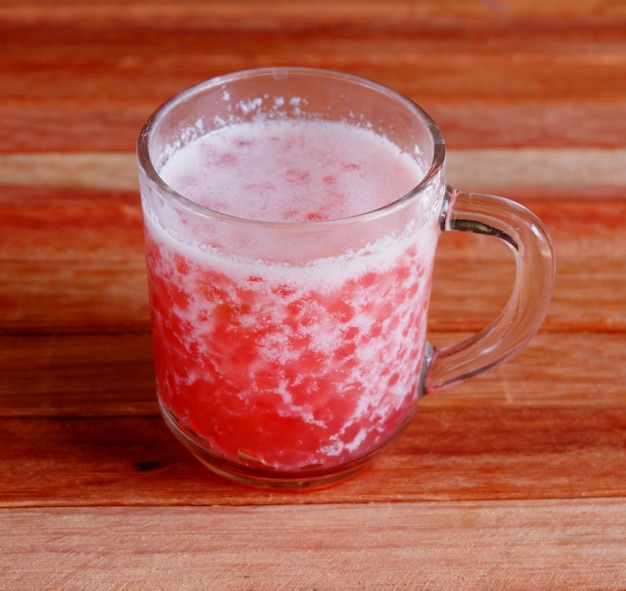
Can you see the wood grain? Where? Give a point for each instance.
(87, 272)
(590, 11)
(459, 453)
(111, 296)
(86, 375)
(492, 73)
(113, 125)
(380, 547)
(515, 479)
(574, 171)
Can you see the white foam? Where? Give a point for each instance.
(290, 170)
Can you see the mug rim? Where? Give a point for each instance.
(147, 166)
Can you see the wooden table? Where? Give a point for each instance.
(513, 480)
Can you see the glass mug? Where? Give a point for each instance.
(290, 347)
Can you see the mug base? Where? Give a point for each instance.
(266, 478)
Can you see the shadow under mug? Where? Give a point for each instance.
(291, 354)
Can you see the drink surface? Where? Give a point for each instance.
(292, 171)
(278, 366)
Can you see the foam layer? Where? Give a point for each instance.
(292, 171)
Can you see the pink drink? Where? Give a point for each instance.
(300, 365)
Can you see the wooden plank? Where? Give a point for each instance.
(555, 370)
(77, 375)
(83, 375)
(87, 225)
(584, 223)
(105, 224)
(468, 295)
(450, 454)
(540, 83)
(574, 173)
(421, 67)
(129, 48)
(87, 125)
(73, 296)
(281, 12)
(468, 123)
(66, 275)
(541, 545)
(40, 297)
(62, 126)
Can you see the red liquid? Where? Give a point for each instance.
(291, 367)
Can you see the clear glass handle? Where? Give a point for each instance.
(527, 307)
